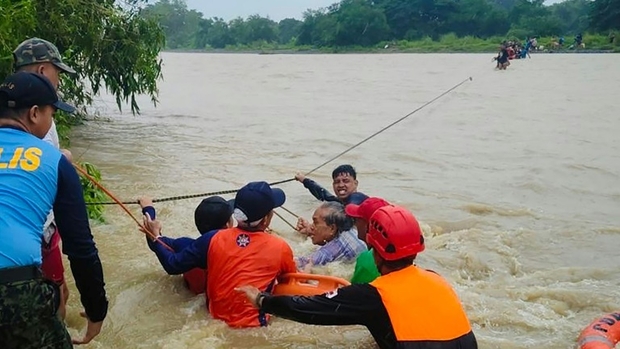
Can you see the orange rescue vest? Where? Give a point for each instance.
(422, 306)
(238, 258)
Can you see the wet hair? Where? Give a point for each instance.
(334, 215)
(347, 169)
(213, 213)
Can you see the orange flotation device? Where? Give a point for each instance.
(300, 284)
(602, 333)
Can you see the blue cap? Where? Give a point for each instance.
(257, 199)
(25, 89)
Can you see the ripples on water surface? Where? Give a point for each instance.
(514, 177)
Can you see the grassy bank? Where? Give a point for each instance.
(446, 44)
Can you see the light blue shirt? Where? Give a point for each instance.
(28, 186)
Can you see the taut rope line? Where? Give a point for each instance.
(191, 196)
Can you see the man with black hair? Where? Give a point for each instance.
(40, 56)
(246, 254)
(344, 184)
(34, 179)
(211, 215)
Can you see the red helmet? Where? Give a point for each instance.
(395, 233)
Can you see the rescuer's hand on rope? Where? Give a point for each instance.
(150, 226)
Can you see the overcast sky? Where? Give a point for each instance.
(275, 9)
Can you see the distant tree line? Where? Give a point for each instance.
(369, 22)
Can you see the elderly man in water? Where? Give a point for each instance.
(406, 307)
(334, 231)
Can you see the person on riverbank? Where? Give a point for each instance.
(211, 215)
(244, 255)
(344, 183)
(34, 179)
(42, 57)
(334, 231)
(365, 268)
(406, 307)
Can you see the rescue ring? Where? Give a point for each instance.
(602, 333)
(300, 284)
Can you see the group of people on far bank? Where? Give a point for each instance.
(236, 261)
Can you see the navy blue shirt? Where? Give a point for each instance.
(188, 253)
(324, 195)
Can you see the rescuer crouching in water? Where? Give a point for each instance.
(406, 307)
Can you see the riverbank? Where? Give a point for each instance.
(370, 51)
(446, 44)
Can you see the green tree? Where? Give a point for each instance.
(180, 25)
(288, 29)
(605, 14)
(213, 32)
(359, 23)
(109, 46)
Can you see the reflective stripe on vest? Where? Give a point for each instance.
(422, 306)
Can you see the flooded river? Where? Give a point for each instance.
(514, 176)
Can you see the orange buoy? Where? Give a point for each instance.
(602, 333)
(300, 284)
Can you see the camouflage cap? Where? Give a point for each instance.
(35, 50)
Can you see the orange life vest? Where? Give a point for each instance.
(238, 258)
(422, 306)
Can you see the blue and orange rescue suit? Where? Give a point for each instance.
(230, 258)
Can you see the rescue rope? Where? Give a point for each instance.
(232, 191)
(285, 221)
(108, 193)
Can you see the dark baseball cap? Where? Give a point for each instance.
(36, 50)
(212, 213)
(24, 90)
(257, 199)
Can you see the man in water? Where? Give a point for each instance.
(211, 215)
(235, 256)
(365, 268)
(502, 58)
(42, 57)
(344, 184)
(406, 307)
(34, 179)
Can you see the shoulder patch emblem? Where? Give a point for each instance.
(243, 240)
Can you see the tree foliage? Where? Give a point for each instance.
(369, 22)
(107, 43)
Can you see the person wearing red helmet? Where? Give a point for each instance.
(406, 307)
(365, 267)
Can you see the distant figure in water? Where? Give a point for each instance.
(502, 58)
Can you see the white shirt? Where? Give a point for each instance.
(52, 138)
